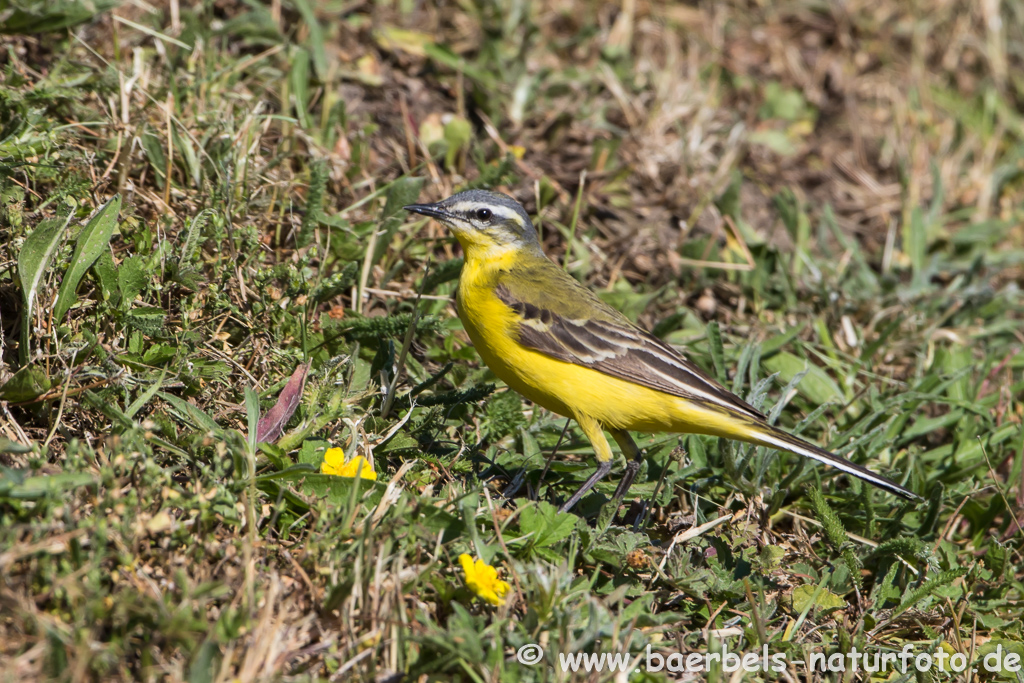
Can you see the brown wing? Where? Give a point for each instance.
(610, 344)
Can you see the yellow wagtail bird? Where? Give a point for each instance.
(556, 343)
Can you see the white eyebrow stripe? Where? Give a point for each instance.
(505, 213)
(501, 212)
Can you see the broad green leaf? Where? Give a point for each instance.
(158, 354)
(817, 386)
(90, 244)
(28, 383)
(312, 452)
(106, 273)
(826, 600)
(193, 167)
(444, 56)
(342, 490)
(546, 523)
(131, 279)
(33, 260)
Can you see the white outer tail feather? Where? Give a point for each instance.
(787, 442)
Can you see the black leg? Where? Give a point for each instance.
(632, 467)
(603, 468)
(628, 447)
(514, 485)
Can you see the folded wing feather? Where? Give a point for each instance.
(610, 344)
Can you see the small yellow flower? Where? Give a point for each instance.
(334, 463)
(482, 579)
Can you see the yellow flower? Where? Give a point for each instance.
(483, 580)
(334, 463)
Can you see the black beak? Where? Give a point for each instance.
(432, 210)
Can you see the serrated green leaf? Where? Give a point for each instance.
(149, 320)
(106, 272)
(547, 525)
(131, 279)
(91, 243)
(717, 352)
(312, 452)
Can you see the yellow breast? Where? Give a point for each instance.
(565, 388)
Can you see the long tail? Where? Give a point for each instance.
(776, 438)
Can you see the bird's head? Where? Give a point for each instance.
(482, 220)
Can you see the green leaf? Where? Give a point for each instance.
(90, 244)
(546, 524)
(31, 488)
(318, 177)
(836, 534)
(33, 260)
(148, 319)
(458, 133)
(312, 452)
(915, 244)
(8, 446)
(928, 588)
(252, 413)
(826, 600)
(155, 153)
(342, 490)
(158, 354)
(28, 383)
(106, 272)
(316, 40)
(629, 302)
(205, 663)
(191, 413)
(145, 396)
(45, 17)
(817, 387)
(131, 279)
(401, 192)
(300, 87)
(717, 352)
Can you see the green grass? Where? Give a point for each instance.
(194, 203)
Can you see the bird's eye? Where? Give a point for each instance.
(483, 214)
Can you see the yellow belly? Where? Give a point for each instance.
(576, 390)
